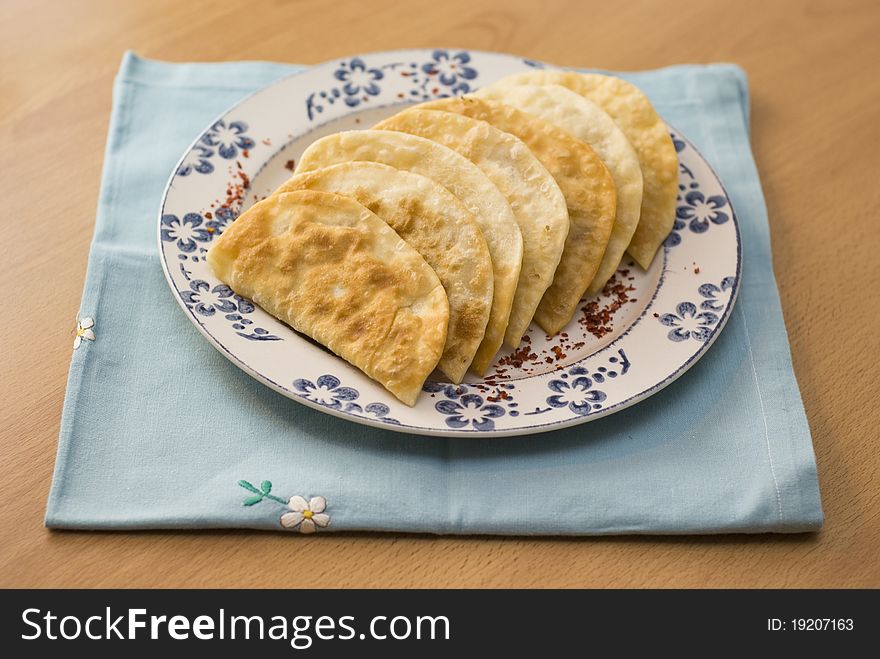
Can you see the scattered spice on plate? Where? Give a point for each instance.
(521, 355)
(597, 319)
(290, 165)
(498, 395)
(236, 191)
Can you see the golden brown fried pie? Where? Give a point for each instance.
(331, 269)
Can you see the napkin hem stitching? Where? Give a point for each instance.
(763, 416)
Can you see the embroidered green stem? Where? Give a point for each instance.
(259, 494)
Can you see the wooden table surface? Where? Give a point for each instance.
(814, 69)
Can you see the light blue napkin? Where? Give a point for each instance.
(160, 431)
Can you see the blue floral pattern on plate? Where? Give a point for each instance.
(186, 232)
(207, 301)
(470, 409)
(357, 80)
(358, 83)
(197, 160)
(713, 293)
(687, 323)
(228, 138)
(575, 388)
(578, 395)
(695, 210)
(328, 391)
(447, 73)
(698, 210)
(452, 70)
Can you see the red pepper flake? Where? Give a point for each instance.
(597, 320)
(435, 91)
(549, 360)
(697, 270)
(236, 191)
(238, 164)
(209, 215)
(290, 165)
(499, 395)
(519, 356)
(579, 345)
(246, 153)
(401, 95)
(557, 352)
(656, 315)
(357, 120)
(405, 74)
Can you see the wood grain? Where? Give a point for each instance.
(814, 69)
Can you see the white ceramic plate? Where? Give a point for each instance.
(620, 348)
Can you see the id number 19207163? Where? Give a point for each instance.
(810, 624)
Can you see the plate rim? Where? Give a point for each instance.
(455, 432)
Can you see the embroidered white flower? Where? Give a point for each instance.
(83, 331)
(306, 515)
